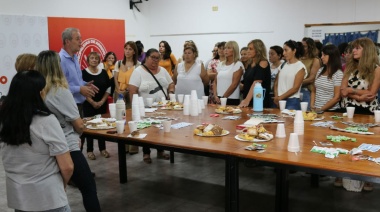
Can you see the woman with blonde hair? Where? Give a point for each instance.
(226, 83)
(257, 71)
(60, 102)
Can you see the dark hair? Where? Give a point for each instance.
(148, 53)
(108, 54)
(334, 63)
(243, 49)
(22, 103)
(319, 47)
(219, 45)
(140, 47)
(134, 47)
(295, 46)
(168, 50)
(342, 47)
(278, 49)
(311, 48)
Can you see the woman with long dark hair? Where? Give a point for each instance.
(34, 151)
(167, 58)
(325, 93)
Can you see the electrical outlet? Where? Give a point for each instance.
(215, 8)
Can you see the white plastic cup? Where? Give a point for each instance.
(377, 115)
(299, 116)
(172, 97)
(167, 125)
(132, 126)
(294, 144)
(112, 106)
(205, 100)
(304, 106)
(120, 125)
(223, 102)
(280, 132)
(350, 112)
(282, 104)
(113, 113)
(149, 102)
(180, 98)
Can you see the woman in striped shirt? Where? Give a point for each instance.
(325, 93)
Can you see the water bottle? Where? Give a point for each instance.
(258, 97)
(120, 108)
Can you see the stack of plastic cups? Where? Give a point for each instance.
(200, 103)
(186, 105)
(135, 108)
(194, 103)
(299, 124)
(141, 106)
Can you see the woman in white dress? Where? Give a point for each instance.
(190, 75)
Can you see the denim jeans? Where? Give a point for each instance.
(293, 104)
(306, 96)
(65, 208)
(83, 179)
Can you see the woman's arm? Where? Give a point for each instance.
(312, 97)
(66, 167)
(332, 101)
(171, 88)
(296, 85)
(235, 82)
(211, 74)
(78, 125)
(215, 90)
(115, 78)
(313, 72)
(175, 74)
(204, 75)
(132, 90)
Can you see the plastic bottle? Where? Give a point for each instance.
(258, 97)
(120, 108)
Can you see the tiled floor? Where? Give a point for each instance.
(195, 183)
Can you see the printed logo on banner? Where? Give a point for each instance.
(90, 45)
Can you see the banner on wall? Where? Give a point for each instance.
(19, 34)
(99, 35)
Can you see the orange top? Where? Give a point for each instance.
(167, 64)
(123, 78)
(109, 70)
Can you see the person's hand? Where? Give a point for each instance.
(93, 87)
(244, 103)
(216, 99)
(87, 91)
(276, 100)
(345, 91)
(367, 97)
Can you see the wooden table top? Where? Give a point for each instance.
(276, 150)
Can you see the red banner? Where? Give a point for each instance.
(99, 35)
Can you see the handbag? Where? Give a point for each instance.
(159, 85)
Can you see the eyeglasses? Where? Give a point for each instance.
(154, 58)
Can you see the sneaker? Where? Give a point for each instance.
(91, 156)
(338, 182)
(105, 153)
(368, 186)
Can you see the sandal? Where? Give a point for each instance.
(105, 153)
(163, 155)
(368, 186)
(91, 156)
(147, 159)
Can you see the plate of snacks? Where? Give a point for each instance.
(210, 130)
(228, 110)
(312, 116)
(255, 133)
(101, 124)
(172, 106)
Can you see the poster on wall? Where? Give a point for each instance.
(19, 34)
(99, 35)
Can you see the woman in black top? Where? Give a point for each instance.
(257, 71)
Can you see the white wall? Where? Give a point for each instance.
(273, 21)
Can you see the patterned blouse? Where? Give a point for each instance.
(359, 83)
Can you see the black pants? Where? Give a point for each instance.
(83, 179)
(90, 144)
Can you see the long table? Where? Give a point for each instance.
(231, 151)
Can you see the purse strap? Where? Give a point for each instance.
(159, 85)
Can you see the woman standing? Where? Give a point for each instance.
(211, 69)
(275, 59)
(257, 71)
(108, 64)
(61, 103)
(167, 59)
(190, 75)
(288, 83)
(97, 104)
(143, 82)
(123, 72)
(140, 51)
(361, 78)
(34, 151)
(312, 63)
(244, 58)
(325, 94)
(226, 83)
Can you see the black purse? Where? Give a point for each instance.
(159, 85)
